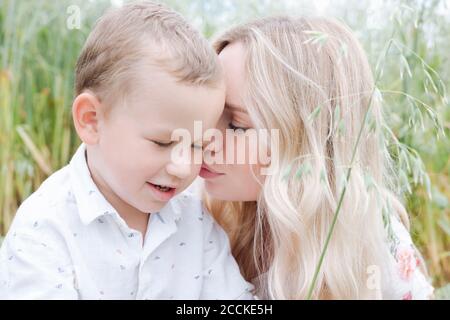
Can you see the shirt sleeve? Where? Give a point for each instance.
(408, 269)
(34, 266)
(221, 275)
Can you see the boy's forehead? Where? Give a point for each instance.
(155, 83)
(163, 110)
(162, 92)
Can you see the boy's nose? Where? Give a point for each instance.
(179, 170)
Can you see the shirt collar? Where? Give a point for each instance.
(91, 202)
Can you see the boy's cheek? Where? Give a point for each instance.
(188, 181)
(195, 170)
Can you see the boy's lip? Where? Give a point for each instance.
(207, 173)
(162, 195)
(163, 184)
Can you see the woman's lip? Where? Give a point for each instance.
(207, 173)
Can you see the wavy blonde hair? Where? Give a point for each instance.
(310, 79)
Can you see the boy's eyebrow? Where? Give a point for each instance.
(234, 107)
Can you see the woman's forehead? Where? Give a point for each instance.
(232, 58)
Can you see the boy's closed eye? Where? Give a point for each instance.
(194, 145)
(162, 144)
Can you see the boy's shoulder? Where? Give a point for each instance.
(47, 203)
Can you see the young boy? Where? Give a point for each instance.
(113, 224)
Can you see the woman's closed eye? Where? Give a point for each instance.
(236, 128)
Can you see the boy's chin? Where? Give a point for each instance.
(154, 206)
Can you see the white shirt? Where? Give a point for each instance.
(68, 242)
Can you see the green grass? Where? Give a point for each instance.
(37, 59)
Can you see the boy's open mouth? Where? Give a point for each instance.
(162, 188)
(162, 192)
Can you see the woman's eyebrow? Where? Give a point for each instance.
(235, 107)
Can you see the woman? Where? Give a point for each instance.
(309, 79)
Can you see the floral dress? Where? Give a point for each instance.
(408, 280)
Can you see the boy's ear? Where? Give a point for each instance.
(86, 109)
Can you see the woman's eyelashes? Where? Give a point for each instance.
(236, 128)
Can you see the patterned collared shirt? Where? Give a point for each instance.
(68, 242)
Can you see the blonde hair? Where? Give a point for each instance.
(310, 79)
(126, 38)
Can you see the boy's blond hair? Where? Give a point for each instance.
(126, 39)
